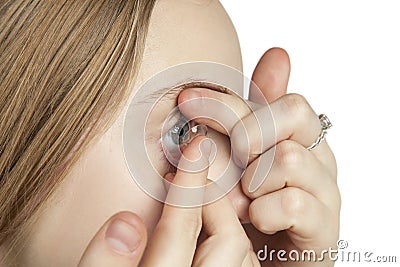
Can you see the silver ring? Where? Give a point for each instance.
(325, 125)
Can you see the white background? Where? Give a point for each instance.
(345, 59)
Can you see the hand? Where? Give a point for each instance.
(122, 240)
(297, 205)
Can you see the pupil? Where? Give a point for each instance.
(184, 130)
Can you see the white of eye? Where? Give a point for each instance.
(173, 140)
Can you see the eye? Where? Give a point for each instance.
(179, 135)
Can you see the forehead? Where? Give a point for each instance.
(184, 31)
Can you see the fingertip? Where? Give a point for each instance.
(199, 154)
(119, 242)
(133, 220)
(270, 76)
(205, 147)
(189, 94)
(183, 96)
(279, 54)
(169, 177)
(192, 169)
(191, 103)
(199, 146)
(126, 234)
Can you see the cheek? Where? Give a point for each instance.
(98, 186)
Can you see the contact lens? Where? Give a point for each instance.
(176, 137)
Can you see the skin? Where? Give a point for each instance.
(294, 208)
(100, 184)
(297, 206)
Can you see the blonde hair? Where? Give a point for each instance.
(63, 65)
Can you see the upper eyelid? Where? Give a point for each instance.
(174, 119)
(171, 93)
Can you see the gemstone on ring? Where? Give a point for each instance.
(325, 122)
(325, 125)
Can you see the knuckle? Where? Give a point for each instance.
(240, 143)
(240, 203)
(193, 226)
(295, 105)
(288, 155)
(293, 202)
(186, 223)
(237, 136)
(256, 219)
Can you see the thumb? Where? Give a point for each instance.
(120, 242)
(271, 76)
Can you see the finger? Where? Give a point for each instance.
(220, 111)
(227, 244)
(294, 210)
(296, 120)
(120, 242)
(251, 260)
(289, 117)
(240, 201)
(271, 76)
(292, 118)
(254, 259)
(293, 166)
(247, 262)
(175, 236)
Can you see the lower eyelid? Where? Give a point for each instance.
(165, 163)
(151, 139)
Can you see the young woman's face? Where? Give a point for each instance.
(100, 183)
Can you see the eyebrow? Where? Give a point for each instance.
(170, 93)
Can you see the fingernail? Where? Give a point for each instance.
(122, 236)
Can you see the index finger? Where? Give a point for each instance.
(175, 237)
(220, 111)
